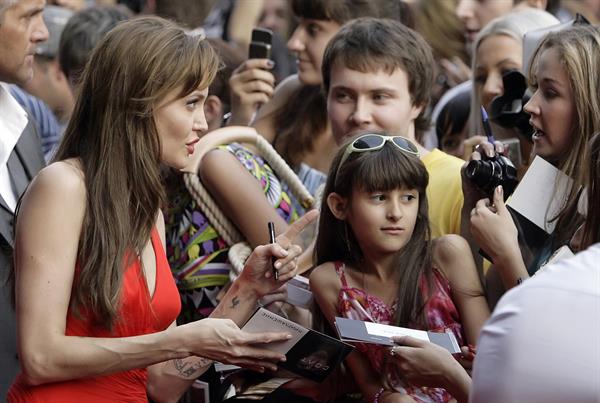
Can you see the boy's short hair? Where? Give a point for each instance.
(372, 44)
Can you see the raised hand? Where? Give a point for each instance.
(252, 85)
(258, 271)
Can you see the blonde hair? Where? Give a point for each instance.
(514, 25)
(578, 50)
(579, 53)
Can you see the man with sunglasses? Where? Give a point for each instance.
(378, 76)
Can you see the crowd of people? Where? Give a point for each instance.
(139, 144)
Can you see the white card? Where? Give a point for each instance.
(541, 194)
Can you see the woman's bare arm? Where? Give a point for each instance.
(45, 266)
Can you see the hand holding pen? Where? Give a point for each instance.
(272, 240)
(487, 129)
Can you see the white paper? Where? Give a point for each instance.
(377, 329)
(541, 194)
(266, 321)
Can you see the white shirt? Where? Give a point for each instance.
(13, 120)
(542, 343)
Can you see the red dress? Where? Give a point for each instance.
(139, 314)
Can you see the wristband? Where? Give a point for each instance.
(378, 395)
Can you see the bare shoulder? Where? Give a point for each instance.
(449, 247)
(62, 178)
(453, 257)
(215, 163)
(324, 276)
(287, 87)
(281, 95)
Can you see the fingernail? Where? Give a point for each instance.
(288, 336)
(277, 265)
(261, 370)
(270, 63)
(499, 190)
(283, 359)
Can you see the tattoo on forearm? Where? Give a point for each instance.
(187, 369)
(234, 302)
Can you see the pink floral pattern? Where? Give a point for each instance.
(440, 312)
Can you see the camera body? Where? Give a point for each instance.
(488, 173)
(507, 109)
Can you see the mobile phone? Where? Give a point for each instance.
(260, 44)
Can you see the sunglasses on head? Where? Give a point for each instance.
(374, 142)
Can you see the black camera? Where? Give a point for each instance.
(487, 174)
(507, 109)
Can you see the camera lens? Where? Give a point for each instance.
(482, 173)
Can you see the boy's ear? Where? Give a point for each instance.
(337, 205)
(415, 111)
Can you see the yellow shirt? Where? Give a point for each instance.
(444, 192)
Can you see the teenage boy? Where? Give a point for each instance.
(378, 74)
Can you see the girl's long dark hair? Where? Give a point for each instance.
(382, 170)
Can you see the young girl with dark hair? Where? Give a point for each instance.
(378, 264)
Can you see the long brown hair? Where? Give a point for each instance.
(113, 134)
(578, 50)
(591, 233)
(381, 170)
(304, 117)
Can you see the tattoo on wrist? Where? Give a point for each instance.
(234, 302)
(187, 369)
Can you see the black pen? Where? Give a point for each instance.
(272, 240)
(486, 126)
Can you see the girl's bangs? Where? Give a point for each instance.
(388, 169)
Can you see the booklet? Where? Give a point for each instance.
(354, 331)
(298, 292)
(309, 353)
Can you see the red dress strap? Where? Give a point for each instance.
(339, 269)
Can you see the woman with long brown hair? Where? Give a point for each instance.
(95, 299)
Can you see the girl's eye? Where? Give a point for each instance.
(507, 70)
(550, 93)
(408, 197)
(480, 78)
(312, 29)
(378, 197)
